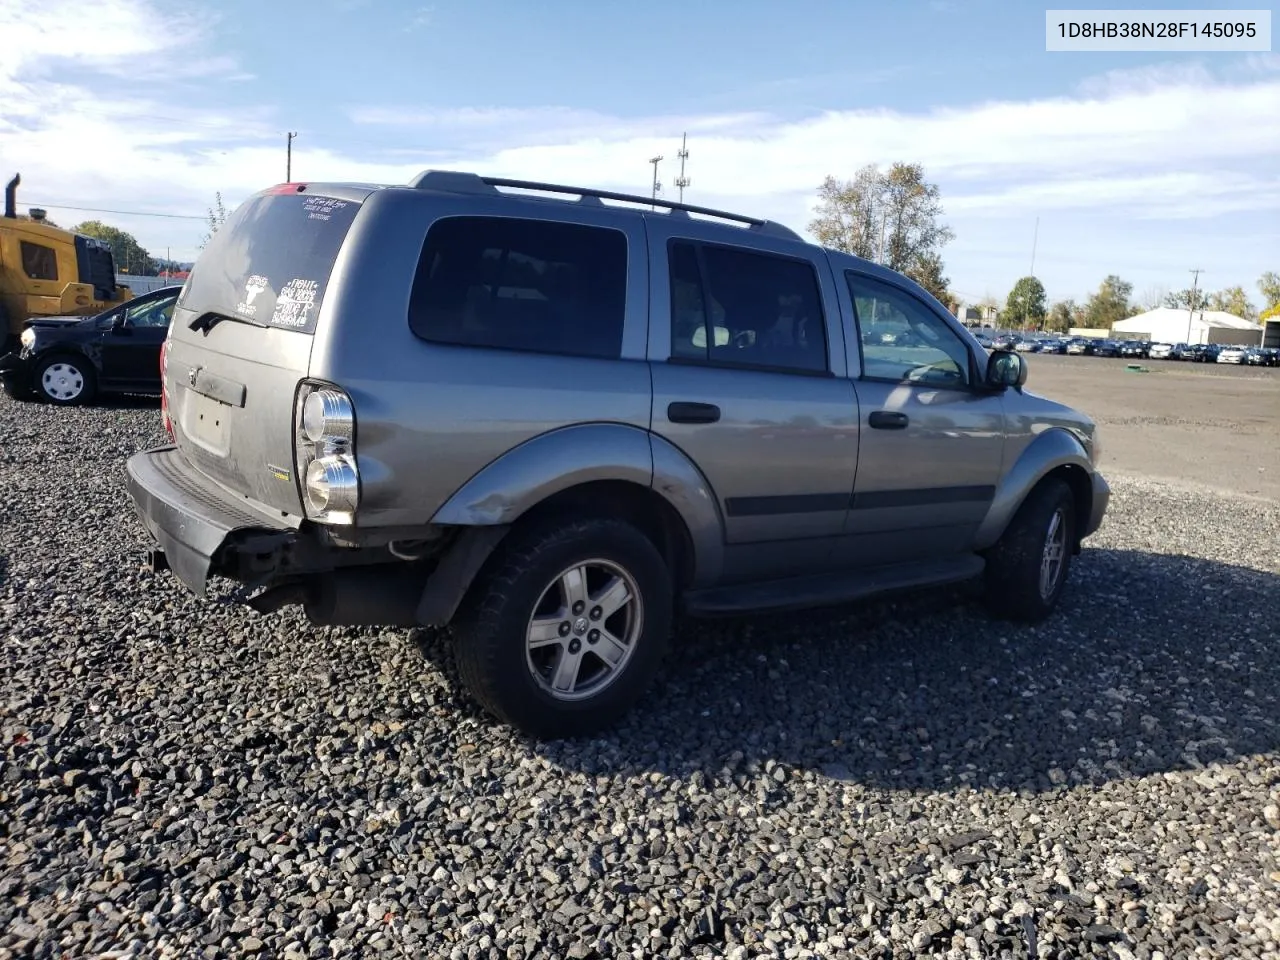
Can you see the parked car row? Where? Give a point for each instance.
(1134, 349)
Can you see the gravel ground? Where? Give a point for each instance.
(184, 779)
(1213, 423)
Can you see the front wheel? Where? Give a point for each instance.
(1028, 567)
(65, 380)
(566, 627)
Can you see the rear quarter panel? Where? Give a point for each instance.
(431, 416)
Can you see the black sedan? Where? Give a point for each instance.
(69, 360)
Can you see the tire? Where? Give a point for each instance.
(70, 380)
(14, 391)
(1016, 564)
(532, 573)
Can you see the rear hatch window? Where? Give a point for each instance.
(241, 338)
(270, 262)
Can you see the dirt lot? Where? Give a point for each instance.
(1187, 424)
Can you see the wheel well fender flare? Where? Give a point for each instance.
(560, 460)
(1056, 452)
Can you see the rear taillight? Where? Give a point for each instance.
(164, 389)
(325, 453)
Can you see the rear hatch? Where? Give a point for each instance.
(241, 336)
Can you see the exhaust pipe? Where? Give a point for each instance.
(11, 197)
(384, 595)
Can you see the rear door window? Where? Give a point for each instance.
(269, 264)
(519, 284)
(743, 308)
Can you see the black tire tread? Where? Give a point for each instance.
(478, 628)
(1013, 564)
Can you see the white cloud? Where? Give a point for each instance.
(419, 19)
(1173, 144)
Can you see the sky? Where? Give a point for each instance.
(1143, 165)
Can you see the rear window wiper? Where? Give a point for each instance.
(207, 321)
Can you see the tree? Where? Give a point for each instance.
(927, 272)
(990, 307)
(913, 213)
(217, 217)
(1269, 287)
(1109, 305)
(849, 214)
(129, 255)
(1061, 317)
(1025, 303)
(1188, 299)
(1271, 313)
(1153, 297)
(1233, 300)
(893, 217)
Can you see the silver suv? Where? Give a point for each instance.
(555, 422)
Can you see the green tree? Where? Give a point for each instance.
(1188, 299)
(1269, 287)
(1271, 313)
(1109, 304)
(1061, 316)
(927, 272)
(989, 307)
(893, 217)
(217, 217)
(1025, 303)
(1235, 301)
(849, 214)
(129, 255)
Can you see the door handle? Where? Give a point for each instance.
(888, 420)
(682, 412)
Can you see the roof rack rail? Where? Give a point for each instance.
(452, 181)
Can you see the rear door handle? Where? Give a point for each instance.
(888, 420)
(683, 412)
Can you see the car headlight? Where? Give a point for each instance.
(27, 337)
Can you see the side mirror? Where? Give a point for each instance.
(1006, 369)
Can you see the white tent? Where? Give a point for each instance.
(1175, 325)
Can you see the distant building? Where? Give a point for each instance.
(1175, 325)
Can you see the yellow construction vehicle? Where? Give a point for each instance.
(49, 272)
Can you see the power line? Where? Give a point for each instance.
(122, 213)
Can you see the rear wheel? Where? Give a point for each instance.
(566, 627)
(65, 380)
(1028, 568)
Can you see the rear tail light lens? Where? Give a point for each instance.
(325, 455)
(164, 389)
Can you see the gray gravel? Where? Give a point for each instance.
(183, 778)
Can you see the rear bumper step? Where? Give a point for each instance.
(189, 516)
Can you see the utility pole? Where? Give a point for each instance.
(1191, 306)
(657, 185)
(682, 181)
(1034, 237)
(288, 158)
(884, 219)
